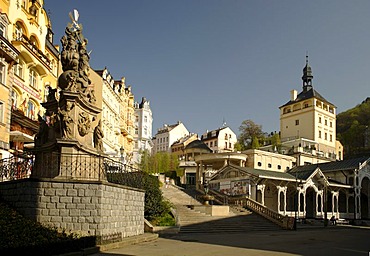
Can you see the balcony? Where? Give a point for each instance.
(26, 43)
(7, 50)
(117, 130)
(123, 130)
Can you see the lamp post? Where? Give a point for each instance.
(205, 185)
(122, 157)
(325, 206)
(295, 203)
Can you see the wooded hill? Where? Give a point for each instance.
(353, 130)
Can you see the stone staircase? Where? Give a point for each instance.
(191, 221)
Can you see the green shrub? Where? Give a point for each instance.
(24, 236)
(155, 205)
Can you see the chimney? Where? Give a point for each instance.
(293, 95)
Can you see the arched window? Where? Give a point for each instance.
(31, 110)
(296, 107)
(18, 31)
(33, 78)
(34, 41)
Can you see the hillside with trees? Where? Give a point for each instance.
(353, 130)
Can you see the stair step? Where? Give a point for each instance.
(191, 221)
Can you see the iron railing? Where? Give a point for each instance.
(70, 166)
(15, 168)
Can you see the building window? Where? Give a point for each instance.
(2, 73)
(326, 122)
(331, 138)
(259, 164)
(297, 122)
(14, 99)
(319, 134)
(2, 29)
(331, 124)
(136, 119)
(216, 143)
(320, 120)
(225, 144)
(269, 165)
(326, 136)
(279, 167)
(1, 112)
(30, 113)
(145, 119)
(19, 68)
(18, 31)
(136, 131)
(24, 4)
(211, 144)
(229, 144)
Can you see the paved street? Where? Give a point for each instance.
(316, 241)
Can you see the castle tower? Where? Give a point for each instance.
(308, 121)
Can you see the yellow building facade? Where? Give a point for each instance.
(35, 70)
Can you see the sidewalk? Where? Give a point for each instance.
(339, 241)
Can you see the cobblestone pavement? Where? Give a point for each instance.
(336, 241)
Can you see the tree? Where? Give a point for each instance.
(144, 164)
(161, 162)
(249, 132)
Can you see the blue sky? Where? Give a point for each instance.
(208, 61)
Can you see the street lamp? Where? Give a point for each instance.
(205, 186)
(122, 152)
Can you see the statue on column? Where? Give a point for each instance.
(98, 137)
(66, 120)
(75, 61)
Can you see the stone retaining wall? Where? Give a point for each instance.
(102, 209)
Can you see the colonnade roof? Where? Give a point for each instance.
(257, 173)
(350, 164)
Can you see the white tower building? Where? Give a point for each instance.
(143, 129)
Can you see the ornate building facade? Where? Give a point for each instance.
(9, 56)
(27, 26)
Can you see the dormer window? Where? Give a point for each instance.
(33, 9)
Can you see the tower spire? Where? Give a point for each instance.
(307, 76)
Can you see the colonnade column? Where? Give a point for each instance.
(320, 194)
(262, 189)
(335, 203)
(282, 190)
(199, 175)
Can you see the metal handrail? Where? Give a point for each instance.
(285, 222)
(246, 202)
